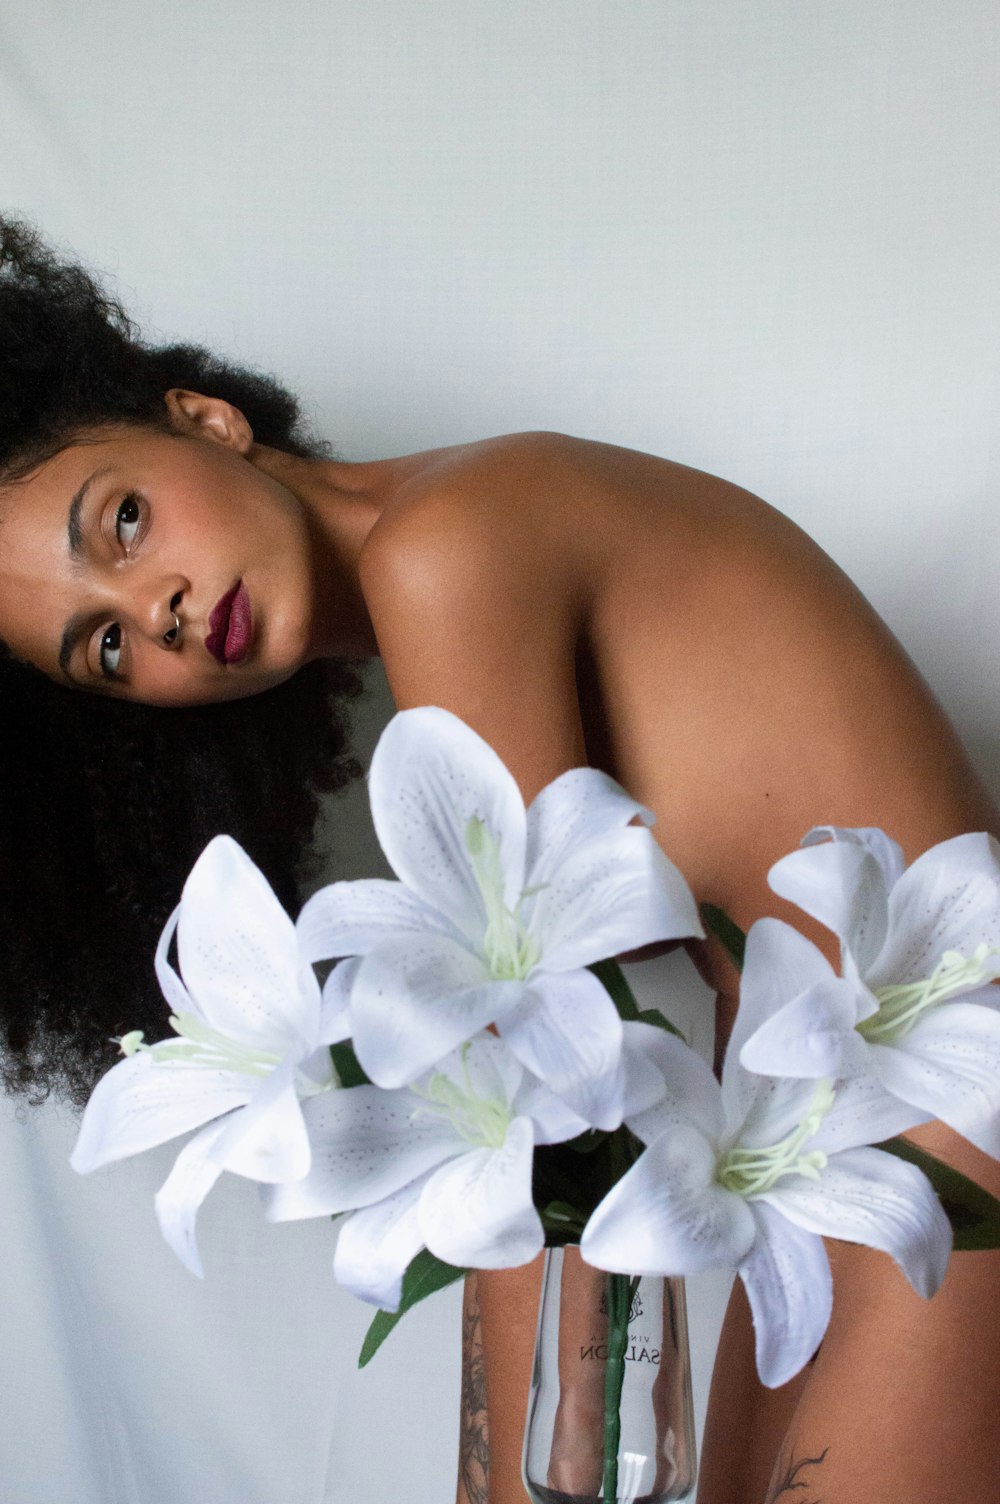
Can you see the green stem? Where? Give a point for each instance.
(621, 1293)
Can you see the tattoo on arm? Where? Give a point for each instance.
(474, 1447)
(789, 1481)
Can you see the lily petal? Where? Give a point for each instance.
(780, 964)
(618, 893)
(948, 899)
(366, 1145)
(668, 1215)
(430, 775)
(178, 998)
(948, 1065)
(869, 1197)
(350, 918)
(566, 1030)
(413, 1001)
(267, 1139)
(139, 1104)
(645, 1083)
(887, 852)
(842, 884)
(487, 1067)
(779, 1105)
(579, 806)
(179, 1198)
(335, 1006)
(552, 1120)
(315, 1072)
(477, 1211)
(788, 1283)
(813, 1035)
(863, 1113)
(238, 953)
(689, 1092)
(376, 1245)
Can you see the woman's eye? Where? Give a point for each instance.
(127, 519)
(110, 651)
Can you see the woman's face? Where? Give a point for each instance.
(159, 567)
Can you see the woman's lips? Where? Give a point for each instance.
(230, 626)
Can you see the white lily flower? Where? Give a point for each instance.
(497, 913)
(252, 1036)
(920, 947)
(445, 1164)
(752, 1175)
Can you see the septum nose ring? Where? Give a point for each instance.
(174, 632)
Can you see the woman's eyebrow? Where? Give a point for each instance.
(74, 532)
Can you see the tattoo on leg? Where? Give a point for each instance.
(474, 1446)
(789, 1482)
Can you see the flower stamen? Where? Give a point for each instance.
(201, 1045)
(752, 1172)
(510, 952)
(481, 1121)
(901, 1006)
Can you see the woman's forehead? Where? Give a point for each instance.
(86, 456)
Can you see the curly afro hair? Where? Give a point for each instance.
(105, 805)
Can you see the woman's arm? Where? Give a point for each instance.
(476, 612)
(478, 607)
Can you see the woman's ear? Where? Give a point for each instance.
(197, 416)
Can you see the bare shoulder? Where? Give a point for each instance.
(473, 581)
(495, 517)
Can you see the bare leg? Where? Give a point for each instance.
(746, 1424)
(578, 1434)
(473, 1441)
(508, 1307)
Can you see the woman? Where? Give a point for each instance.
(163, 543)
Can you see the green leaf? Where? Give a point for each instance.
(425, 1275)
(719, 924)
(563, 1224)
(612, 978)
(347, 1065)
(973, 1213)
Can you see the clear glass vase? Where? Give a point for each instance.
(570, 1455)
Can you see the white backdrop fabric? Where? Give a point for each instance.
(758, 236)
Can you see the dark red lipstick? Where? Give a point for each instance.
(230, 626)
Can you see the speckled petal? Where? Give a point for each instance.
(413, 1001)
(668, 1215)
(949, 1066)
(477, 1212)
(787, 1279)
(948, 899)
(430, 775)
(366, 1145)
(567, 1032)
(239, 955)
(843, 885)
(182, 1193)
(618, 893)
(376, 1245)
(140, 1104)
(869, 1197)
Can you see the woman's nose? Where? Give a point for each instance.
(161, 612)
(172, 635)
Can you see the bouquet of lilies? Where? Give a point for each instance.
(473, 1079)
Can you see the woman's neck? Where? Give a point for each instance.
(343, 502)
